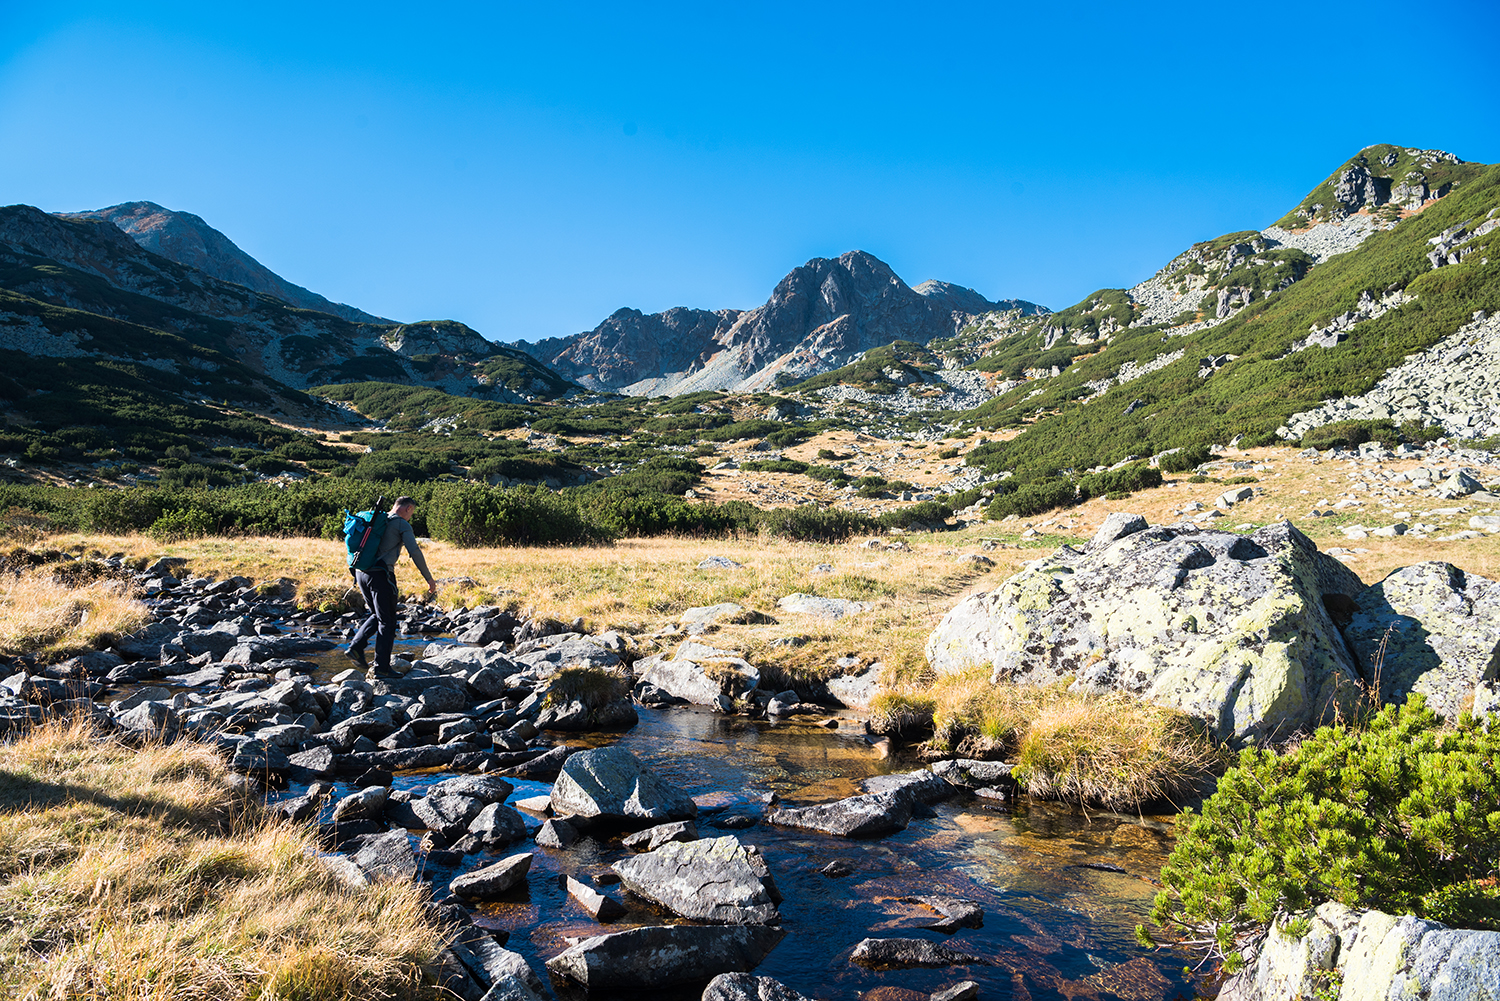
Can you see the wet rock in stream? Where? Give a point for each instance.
(715, 879)
(748, 987)
(664, 955)
(905, 953)
(609, 785)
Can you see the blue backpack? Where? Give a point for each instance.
(363, 532)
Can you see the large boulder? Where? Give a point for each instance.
(700, 674)
(587, 700)
(1369, 955)
(663, 955)
(609, 784)
(1233, 629)
(713, 879)
(1428, 628)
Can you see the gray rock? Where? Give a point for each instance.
(1116, 525)
(713, 879)
(255, 757)
(906, 953)
(150, 719)
(1440, 629)
(653, 838)
(1372, 955)
(610, 784)
(966, 990)
(387, 856)
(599, 906)
(492, 881)
(748, 987)
(367, 804)
(485, 788)
(856, 691)
(968, 773)
(1485, 522)
(497, 824)
(150, 693)
(823, 608)
(708, 614)
(922, 785)
(956, 911)
(1232, 629)
(541, 767)
(557, 834)
(719, 563)
(664, 955)
(700, 674)
(449, 814)
(869, 816)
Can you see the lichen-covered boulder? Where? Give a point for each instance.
(609, 784)
(717, 880)
(1231, 628)
(1441, 633)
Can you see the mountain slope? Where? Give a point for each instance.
(822, 315)
(91, 266)
(1237, 334)
(188, 240)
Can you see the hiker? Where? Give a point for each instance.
(378, 585)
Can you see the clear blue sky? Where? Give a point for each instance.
(530, 168)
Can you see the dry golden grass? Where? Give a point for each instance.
(137, 874)
(638, 585)
(1114, 750)
(42, 615)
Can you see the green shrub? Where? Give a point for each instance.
(1352, 434)
(809, 523)
(1403, 815)
(948, 453)
(1126, 479)
(1184, 459)
(828, 474)
(470, 514)
(1033, 498)
(774, 466)
(189, 523)
(1235, 481)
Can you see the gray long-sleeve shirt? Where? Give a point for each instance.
(398, 533)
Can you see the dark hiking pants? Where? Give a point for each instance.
(379, 588)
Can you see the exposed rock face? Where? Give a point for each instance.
(662, 955)
(700, 674)
(1371, 956)
(819, 317)
(1228, 628)
(1441, 630)
(905, 953)
(187, 239)
(747, 987)
(714, 879)
(609, 784)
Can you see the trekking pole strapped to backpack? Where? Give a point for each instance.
(363, 532)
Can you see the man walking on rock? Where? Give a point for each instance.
(378, 585)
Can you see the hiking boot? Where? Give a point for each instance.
(357, 654)
(384, 672)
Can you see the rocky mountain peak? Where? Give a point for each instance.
(188, 240)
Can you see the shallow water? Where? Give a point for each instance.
(1053, 927)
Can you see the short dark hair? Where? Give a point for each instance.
(404, 501)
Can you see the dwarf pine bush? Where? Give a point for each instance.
(1402, 815)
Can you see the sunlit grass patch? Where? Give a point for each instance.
(54, 618)
(134, 873)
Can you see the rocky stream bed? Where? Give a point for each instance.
(629, 842)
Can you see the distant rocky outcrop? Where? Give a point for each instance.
(187, 239)
(821, 316)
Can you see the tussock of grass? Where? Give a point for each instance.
(1113, 750)
(52, 618)
(902, 713)
(137, 873)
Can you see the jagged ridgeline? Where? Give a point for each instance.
(1393, 253)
